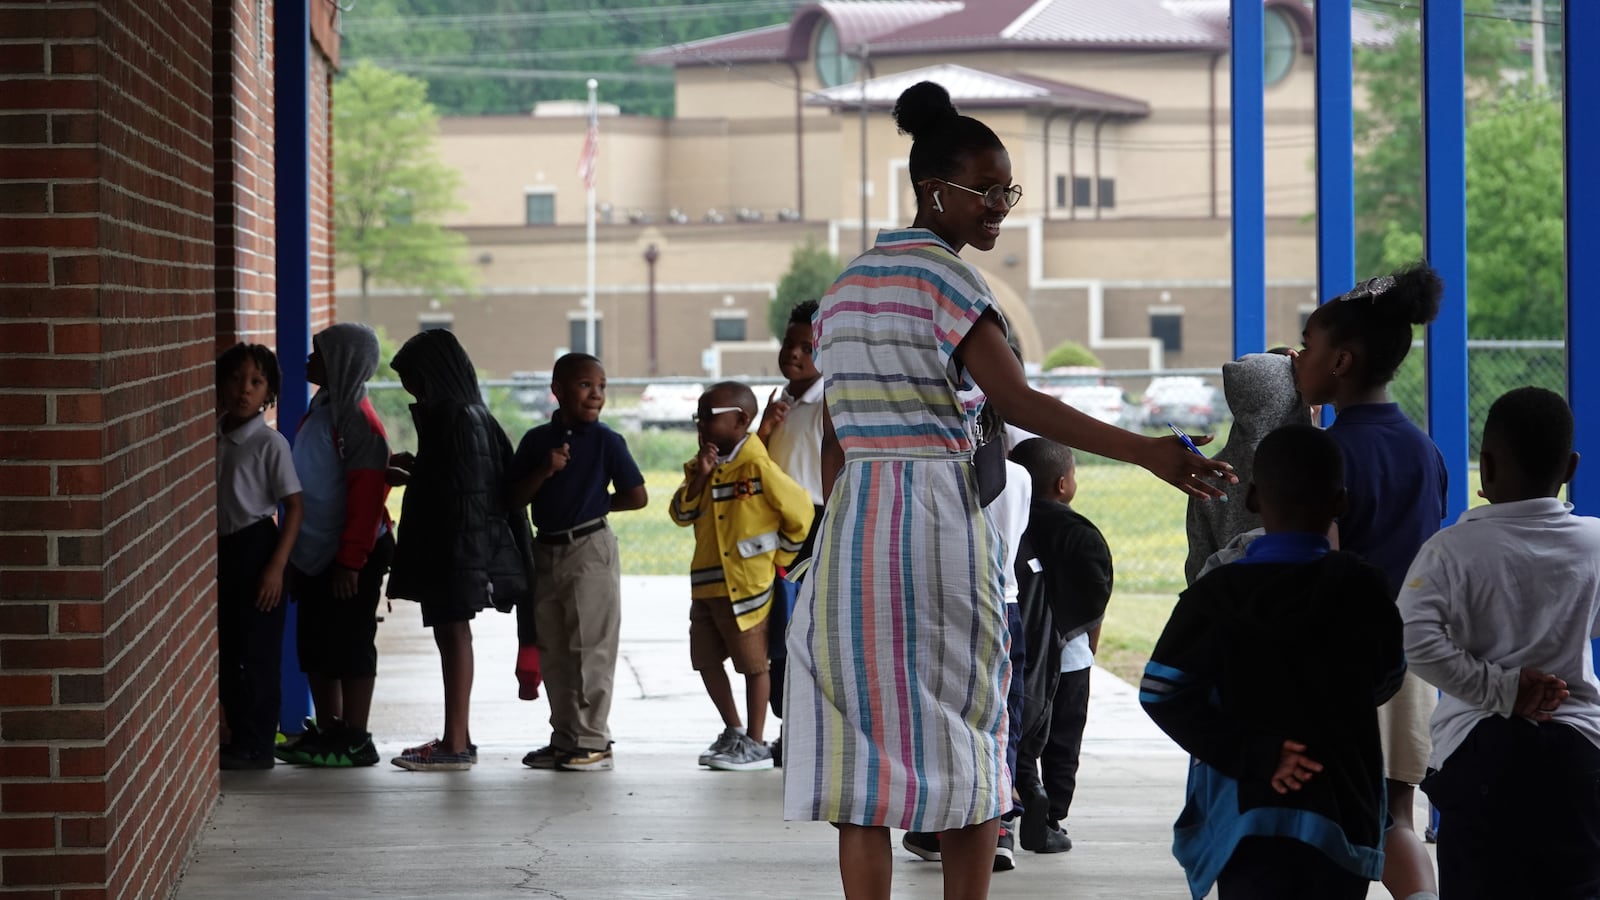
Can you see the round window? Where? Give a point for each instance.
(834, 67)
(1282, 45)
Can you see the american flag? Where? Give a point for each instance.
(591, 150)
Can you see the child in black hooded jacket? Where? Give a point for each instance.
(462, 548)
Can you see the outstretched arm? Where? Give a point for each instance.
(986, 355)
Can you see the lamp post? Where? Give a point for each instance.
(651, 254)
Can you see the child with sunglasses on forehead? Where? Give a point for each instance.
(749, 518)
(1396, 482)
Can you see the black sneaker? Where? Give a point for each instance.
(1005, 856)
(1037, 832)
(924, 844)
(545, 757)
(345, 749)
(298, 748)
(233, 759)
(777, 751)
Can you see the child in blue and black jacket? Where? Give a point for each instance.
(1270, 673)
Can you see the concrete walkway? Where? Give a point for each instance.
(657, 827)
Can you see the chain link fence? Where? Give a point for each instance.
(1142, 518)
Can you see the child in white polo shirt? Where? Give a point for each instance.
(255, 473)
(1499, 612)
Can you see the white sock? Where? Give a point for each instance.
(741, 730)
(1423, 895)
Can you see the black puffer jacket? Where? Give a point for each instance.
(457, 536)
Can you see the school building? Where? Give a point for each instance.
(1116, 116)
(140, 232)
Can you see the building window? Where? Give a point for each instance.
(540, 207)
(1061, 191)
(727, 328)
(430, 321)
(1082, 191)
(1167, 327)
(577, 330)
(1108, 193)
(1282, 45)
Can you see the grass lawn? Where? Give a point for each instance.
(1141, 517)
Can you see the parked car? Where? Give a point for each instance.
(532, 392)
(1102, 401)
(669, 405)
(1186, 401)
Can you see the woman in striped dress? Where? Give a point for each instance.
(895, 705)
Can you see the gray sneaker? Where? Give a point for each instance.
(722, 744)
(747, 755)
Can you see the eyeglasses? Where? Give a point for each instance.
(997, 194)
(715, 411)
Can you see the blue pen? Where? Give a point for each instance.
(1186, 440)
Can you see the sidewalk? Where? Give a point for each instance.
(657, 827)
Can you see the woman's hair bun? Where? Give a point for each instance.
(921, 107)
(1415, 295)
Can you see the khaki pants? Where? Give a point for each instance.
(579, 614)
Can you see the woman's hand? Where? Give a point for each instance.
(1173, 462)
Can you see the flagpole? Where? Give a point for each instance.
(588, 302)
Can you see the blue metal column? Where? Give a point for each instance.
(1582, 85)
(1336, 193)
(291, 92)
(1248, 136)
(1581, 22)
(1445, 230)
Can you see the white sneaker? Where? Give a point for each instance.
(722, 744)
(747, 755)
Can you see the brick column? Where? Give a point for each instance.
(242, 59)
(107, 691)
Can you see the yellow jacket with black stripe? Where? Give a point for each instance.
(750, 519)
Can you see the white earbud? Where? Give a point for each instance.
(936, 204)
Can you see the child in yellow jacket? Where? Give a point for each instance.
(749, 518)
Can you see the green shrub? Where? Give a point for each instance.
(1070, 353)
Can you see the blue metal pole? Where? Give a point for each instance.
(1248, 131)
(1581, 23)
(1336, 194)
(291, 91)
(1444, 129)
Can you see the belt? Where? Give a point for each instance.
(571, 535)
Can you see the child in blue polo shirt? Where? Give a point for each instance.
(1354, 345)
(568, 468)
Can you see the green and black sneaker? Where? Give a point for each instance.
(344, 749)
(298, 748)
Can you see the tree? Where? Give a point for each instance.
(812, 270)
(503, 56)
(1388, 128)
(389, 187)
(1516, 286)
(1069, 354)
(1514, 170)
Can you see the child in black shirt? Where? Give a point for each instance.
(1270, 673)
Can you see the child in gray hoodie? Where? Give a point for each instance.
(1260, 391)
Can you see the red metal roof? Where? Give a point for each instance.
(976, 89)
(899, 27)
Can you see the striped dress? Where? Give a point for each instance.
(895, 703)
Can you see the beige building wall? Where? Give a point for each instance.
(1163, 247)
(502, 158)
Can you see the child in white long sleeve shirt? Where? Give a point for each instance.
(1499, 613)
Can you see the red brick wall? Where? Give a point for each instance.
(242, 138)
(322, 304)
(106, 542)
